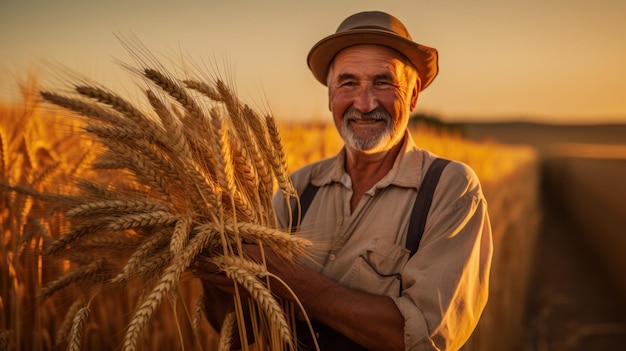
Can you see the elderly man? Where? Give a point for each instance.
(367, 285)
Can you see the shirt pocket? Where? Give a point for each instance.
(378, 269)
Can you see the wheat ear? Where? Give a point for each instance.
(96, 190)
(279, 162)
(107, 241)
(95, 208)
(63, 241)
(142, 167)
(283, 243)
(180, 236)
(227, 332)
(84, 273)
(118, 104)
(115, 132)
(175, 90)
(147, 269)
(88, 109)
(78, 327)
(142, 254)
(198, 313)
(173, 127)
(203, 88)
(64, 330)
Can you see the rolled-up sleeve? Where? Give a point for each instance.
(445, 285)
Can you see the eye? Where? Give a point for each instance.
(347, 83)
(384, 84)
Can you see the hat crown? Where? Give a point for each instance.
(375, 20)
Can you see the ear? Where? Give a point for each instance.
(330, 106)
(415, 93)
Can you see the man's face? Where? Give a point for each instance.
(370, 97)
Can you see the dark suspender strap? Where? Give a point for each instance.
(305, 201)
(417, 223)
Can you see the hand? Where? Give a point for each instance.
(285, 270)
(211, 275)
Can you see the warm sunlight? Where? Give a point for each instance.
(144, 147)
(557, 62)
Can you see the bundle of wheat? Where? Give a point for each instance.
(190, 178)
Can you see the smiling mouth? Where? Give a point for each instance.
(366, 121)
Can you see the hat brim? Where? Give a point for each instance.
(424, 58)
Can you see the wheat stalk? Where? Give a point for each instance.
(245, 273)
(183, 184)
(3, 154)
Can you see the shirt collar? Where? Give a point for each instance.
(406, 171)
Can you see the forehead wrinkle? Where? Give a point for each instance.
(379, 76)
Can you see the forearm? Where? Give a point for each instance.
(217, 304)
(373, 321)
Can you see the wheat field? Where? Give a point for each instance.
(106, 204)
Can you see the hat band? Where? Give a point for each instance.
(374, 27)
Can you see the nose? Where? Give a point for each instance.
(365, 100)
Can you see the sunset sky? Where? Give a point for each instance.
(557, 61)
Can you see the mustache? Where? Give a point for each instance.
(378, 114)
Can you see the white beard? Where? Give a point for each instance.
(369, 143)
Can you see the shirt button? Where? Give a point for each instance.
(332, 257)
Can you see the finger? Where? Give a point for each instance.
(206, 266)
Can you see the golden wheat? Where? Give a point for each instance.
(198, 314)
(178, 139)
(194, 180)
(84, 273)
(118, 104)
(115, 206)
(245, 273)
(227, 332)
(143, 255)
(78, 327)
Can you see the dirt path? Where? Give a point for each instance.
(573, 305)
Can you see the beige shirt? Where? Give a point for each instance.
(445, 284)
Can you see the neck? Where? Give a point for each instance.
(365, 169)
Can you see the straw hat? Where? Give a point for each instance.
(373, 27)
